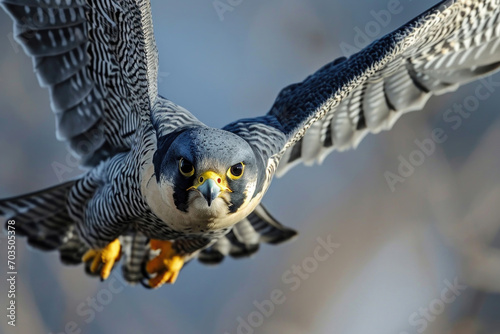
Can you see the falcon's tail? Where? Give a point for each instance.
(246, 237)
(135, 250)
(43, 218)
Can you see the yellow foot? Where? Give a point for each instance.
(104, 258)
(166, 265)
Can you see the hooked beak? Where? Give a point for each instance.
(210, 185)
(210, 190)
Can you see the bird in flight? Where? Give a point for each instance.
(162, 188)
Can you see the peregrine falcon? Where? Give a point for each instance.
(162, 188)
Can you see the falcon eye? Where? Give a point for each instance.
(186, 168)
(236, 171)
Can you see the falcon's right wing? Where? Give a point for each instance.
(98, 59)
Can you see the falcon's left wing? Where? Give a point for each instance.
(453, 43)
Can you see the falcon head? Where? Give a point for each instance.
(206, 179)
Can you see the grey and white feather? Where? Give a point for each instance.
(143, 152)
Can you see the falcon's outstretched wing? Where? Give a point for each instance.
(455, 42)
(99, 60)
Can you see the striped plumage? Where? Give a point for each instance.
(451, 44)
(99, 61)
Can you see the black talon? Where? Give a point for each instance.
(145, 283)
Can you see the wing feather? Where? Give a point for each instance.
(455, 42)
(99, 60)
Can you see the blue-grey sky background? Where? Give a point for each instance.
(397, 249)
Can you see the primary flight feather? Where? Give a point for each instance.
(162, 187)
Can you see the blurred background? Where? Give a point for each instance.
(418, 258)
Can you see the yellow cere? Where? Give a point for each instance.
(220, 181)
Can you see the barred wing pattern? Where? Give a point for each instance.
(43, 219)
(98, 59)
(451, 44)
